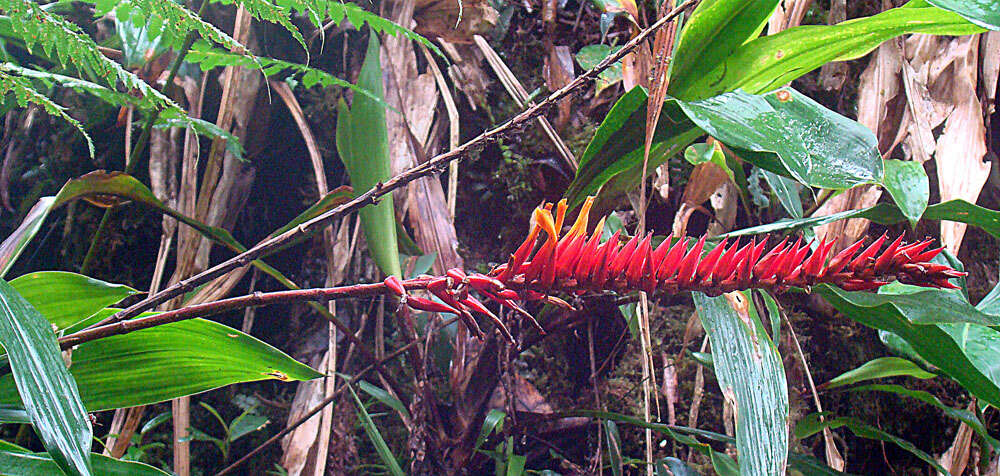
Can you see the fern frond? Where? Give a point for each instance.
(266, 11)
(72, 47)
(358, 16)
(202, 128)
(209, 58)
(172, 117)
(25, 94)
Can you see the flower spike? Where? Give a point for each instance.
(578, 263)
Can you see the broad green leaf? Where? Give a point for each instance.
(20, 462)
(617, 146)
(715, 30)
(931, 342)
(789, 134)
(768, 62)
(964, 416)
(980, 344)
(14, 244)
(160, 363)
(965, 212)
(864, 430)
(887, 214)
(245, 424)
(787, 192)
(66, 298)
(985, 13)
(375, 435)
(46, 388)
(929, 306)
(879, 368)
(907, 183)
(363, 145)
(589, 56)
(750, 373)
(991, 303)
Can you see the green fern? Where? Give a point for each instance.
(169, 19)
(65, 41)
(265, 11)
(27, 82)
(209, 58)
(25, 94)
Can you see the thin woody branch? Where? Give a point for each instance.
(578, 263)
(435, 165)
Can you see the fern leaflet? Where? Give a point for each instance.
(25, 94)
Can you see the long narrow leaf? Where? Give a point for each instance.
(45, 386)
(752, 377)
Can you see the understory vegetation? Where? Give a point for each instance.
(733, 237)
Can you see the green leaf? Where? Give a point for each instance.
(493, 422)
(24, 93)
(589, 56)
(363, 145)
(375, 436)
(934, 343)
(210, 58)
(985, 13)
(67, 298)
(864, 430)
(617, 146)
(715, 30)
(614, 446)
(965, 212)
(384, 397)
(768, 62)
(72, 47)
(879, 368)
(46, 388)
(906, 182)
(673, 467)
(750, 373)
(245, 424)
(19, 461)
(787, 192)
(14, 245)
(789, 134)
(165, 362)
(964, 416)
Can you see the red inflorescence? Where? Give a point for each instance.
(580, 263)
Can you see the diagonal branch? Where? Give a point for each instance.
(435, 165)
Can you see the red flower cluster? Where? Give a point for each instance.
(579, 263)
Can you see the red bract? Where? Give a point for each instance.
(579, 263)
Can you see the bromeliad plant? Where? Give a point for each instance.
(578, 263)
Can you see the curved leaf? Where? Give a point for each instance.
(20, 461)
(363, 145)
(42, 383)
(617, 146)
(879, 368)
(771, 61)
(906, 181)
(170, 361)
(789, 134)
(985, 13)
(14, 244)
(751, 376)
(933, 343)
(716, 29)
(964, 416)
(863, 430)
(66, 298)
